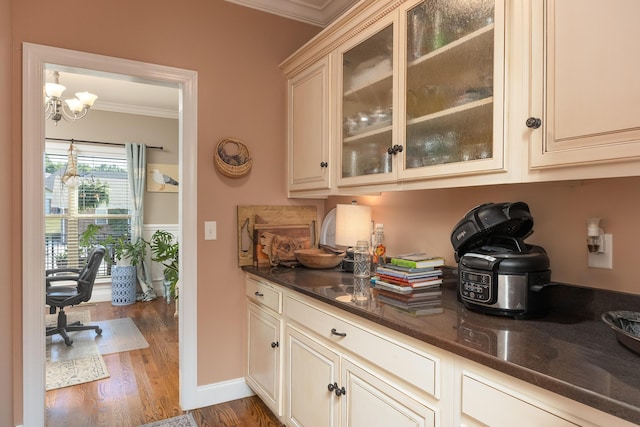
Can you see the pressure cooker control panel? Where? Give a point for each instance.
(476, 286)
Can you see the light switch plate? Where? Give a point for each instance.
(210, 231)
(605, 259)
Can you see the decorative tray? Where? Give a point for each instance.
(626, 325)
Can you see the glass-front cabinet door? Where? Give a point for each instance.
(452, 88)
(367, 84)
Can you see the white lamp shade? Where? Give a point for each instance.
(54, 90)
(353, 223)
(86, 98)
(74, 105)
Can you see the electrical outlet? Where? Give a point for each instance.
(603, 259)
(210, 231)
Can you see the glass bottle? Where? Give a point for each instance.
(361, 272)
(379, 248)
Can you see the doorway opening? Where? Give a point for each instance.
(35, 61)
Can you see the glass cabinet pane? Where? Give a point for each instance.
(367, 71)
(449, 82)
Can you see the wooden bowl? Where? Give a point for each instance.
(318, 258)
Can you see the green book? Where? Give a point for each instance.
(422, 263)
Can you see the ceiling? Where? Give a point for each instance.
(121, 94)
(316, 12)
(125, 94)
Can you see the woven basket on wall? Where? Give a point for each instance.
(232, 165)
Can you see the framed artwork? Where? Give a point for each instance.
(275, 243)
(162, 178)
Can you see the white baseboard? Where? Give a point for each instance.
(224, 391)
(101, 292)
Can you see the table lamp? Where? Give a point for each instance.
(353, 223)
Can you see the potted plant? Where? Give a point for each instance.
(128, 256)
(164, 249)
(62, 259)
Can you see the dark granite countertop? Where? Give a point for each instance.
(570, 351)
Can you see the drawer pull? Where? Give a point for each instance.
(258, 294)
(340, 334)
(275, 344)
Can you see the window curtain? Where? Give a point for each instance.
(136, 167)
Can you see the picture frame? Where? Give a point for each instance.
(162, 178)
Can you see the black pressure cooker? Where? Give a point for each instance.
(498, 273)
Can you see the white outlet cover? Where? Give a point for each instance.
(603, 260)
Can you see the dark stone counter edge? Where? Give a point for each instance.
(587, 397)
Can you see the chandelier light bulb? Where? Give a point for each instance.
(87, 99)
(74, 105)
(54, 90)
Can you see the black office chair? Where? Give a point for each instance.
(59, 297)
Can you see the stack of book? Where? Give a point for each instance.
(411, 283)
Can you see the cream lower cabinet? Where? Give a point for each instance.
(489, 398)
(326, 388)
(263, 366)
(339, 374)
(315, 365)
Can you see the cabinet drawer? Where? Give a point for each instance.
(492, 406)
(264, 293)
(413, 366)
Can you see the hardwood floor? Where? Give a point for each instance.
(143, 386)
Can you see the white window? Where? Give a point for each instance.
(97, 208)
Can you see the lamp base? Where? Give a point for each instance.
(347, 265)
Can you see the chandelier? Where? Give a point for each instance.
(71, 109)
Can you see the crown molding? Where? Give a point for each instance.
(321, 14)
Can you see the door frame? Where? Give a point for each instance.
(33, 290)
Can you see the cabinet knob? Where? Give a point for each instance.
(258, 294)
(395, 149)
(275, 344)
(324, 164)
(533, 122)
(335, 332)
(340, 391)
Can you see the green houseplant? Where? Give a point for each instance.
(165, 250)
(128, 256)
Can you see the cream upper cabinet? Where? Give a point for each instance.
(585, 85)
(309, 162)
(367, 83)
(423, 94)
(452, 88)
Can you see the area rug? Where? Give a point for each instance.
(82, 361)
(179, 421)
(76, 371)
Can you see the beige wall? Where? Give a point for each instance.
(236, 52)
(423, 220)
(160, 208)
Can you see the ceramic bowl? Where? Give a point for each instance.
(318, 258)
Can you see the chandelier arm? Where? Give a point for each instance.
(70, 116)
